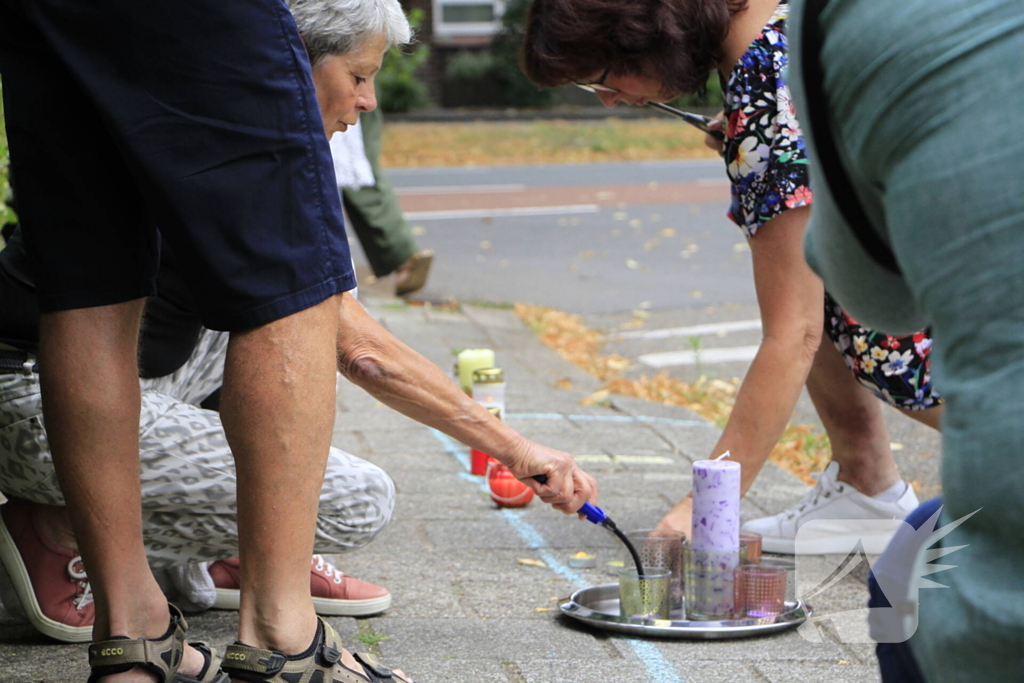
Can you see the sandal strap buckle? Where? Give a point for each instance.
(371, 662)
(329, 656)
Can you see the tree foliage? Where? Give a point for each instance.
(399, 89)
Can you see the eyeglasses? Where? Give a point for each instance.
(701, 122)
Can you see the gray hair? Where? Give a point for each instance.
(337, 27)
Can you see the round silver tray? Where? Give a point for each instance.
(599, 607)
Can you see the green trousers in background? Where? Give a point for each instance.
(374, 213)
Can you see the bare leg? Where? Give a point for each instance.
(278, 412)
(90, 387)
(853, 419)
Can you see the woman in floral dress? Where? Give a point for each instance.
(638, 51)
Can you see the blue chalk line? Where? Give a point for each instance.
(659, 670)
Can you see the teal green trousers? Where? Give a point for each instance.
(373, 212)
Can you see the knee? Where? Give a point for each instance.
(357, 503)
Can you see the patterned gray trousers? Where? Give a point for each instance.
(187, 470)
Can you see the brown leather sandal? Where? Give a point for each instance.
(255, 665)
(161, 656)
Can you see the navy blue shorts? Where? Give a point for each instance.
(197, 117)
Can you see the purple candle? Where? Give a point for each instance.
(716, 505)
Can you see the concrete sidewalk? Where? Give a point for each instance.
(465, 609)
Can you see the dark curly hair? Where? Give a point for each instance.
(677, 42)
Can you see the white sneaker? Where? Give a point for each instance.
(831, 499)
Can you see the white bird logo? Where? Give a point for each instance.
(900, 572)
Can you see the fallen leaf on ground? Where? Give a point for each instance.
(595, 397)
(632, 264)
(667, 232)
(564, 383)
(419, 230)
(541, 609)
(801, 450)
(529, 562)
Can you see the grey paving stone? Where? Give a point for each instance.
(842, 671)
(575, 671)
(784, 647)
(486, 639)
(464, 608)
(442, 668)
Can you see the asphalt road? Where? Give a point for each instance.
(612, 242)
(588, 239)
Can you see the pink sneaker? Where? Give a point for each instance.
(49, 579)
(334, 593)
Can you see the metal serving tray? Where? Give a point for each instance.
(598, 606)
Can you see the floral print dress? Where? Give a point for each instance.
(767, 164)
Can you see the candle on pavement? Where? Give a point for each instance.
(470, 360)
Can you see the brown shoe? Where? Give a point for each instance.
(323, 661)
(412, 275)
(160, 656)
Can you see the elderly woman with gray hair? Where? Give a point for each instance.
(189, 497)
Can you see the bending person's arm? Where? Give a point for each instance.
(791, 299)
(377, 361)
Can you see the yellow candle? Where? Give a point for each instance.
(470, 360)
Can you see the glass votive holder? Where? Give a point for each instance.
(644, 597)
(661, 549)
(788, 565)
(750, 547)
(760, 590)
(708, 583)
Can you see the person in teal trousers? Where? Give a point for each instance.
(376, 218)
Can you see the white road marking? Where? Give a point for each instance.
(668, 359)
(501, 213)
(459, 189)
(693, 330)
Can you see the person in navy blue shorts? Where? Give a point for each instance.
(197, 124)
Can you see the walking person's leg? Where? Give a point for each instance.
(376, 217)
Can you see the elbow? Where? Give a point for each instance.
(363, 367)
(810, 343)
